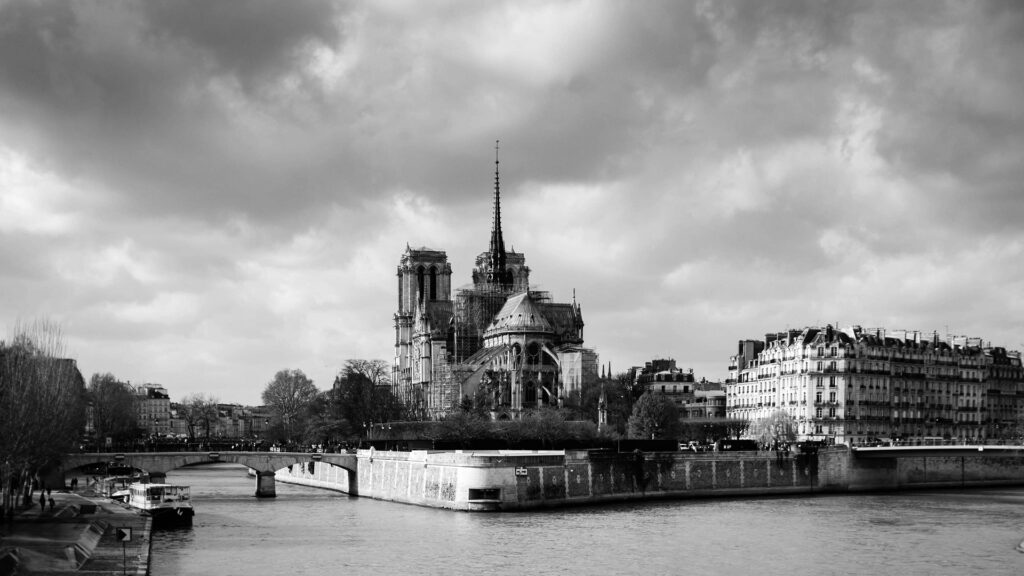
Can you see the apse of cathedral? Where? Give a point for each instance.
(496, 344)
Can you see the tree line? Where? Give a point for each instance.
(361, 405)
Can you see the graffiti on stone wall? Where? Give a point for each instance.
(554, 484)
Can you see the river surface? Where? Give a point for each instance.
(307, 531)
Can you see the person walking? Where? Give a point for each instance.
(42, 502)
(52, 504)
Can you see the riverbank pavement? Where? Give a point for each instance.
(83, 533)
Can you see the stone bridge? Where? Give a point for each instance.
(158, 464)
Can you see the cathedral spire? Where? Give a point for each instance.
(496, 270)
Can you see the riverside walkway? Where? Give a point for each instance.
(84, 533)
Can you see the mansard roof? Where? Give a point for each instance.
(831, 336)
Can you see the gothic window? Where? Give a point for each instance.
(433, 282)
(533, 353)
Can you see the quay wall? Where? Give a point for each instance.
(511, 480)
(935, 472)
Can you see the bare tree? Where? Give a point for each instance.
(775, 429)
(42, 405)
(199, 412)
(374, 371)
(288, 397)
(363, 396)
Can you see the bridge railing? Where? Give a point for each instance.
(212, 445)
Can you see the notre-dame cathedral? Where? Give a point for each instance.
(497, 344)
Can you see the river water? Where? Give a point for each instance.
(307, 531)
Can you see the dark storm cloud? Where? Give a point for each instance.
(951, 98)
(253, 40)
(145, 99)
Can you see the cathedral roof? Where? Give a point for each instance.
(423, 249)
(519, 314)
(563, 317)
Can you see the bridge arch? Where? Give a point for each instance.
(266, 464)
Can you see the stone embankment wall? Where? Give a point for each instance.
(518, 480)
(934, 472)
(525, 480)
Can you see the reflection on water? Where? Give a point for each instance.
(310, 531)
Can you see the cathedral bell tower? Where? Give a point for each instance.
(424, 276)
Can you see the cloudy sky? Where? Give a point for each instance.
(204, 192)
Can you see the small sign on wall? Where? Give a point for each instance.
(521, 471)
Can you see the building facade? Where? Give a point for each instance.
(495, 342)
(696, 400)
(153, 409)
(855, 385)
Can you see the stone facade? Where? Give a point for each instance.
(153, 409)
(856, 386)
(696, 400)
